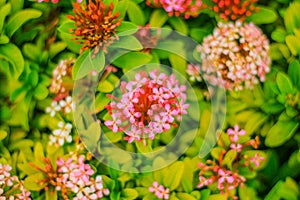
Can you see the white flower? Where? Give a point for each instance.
(61, 135)
(67, 104)
(53, 108)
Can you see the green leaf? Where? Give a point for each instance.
(20, 18)
(142, 148)
(292, 18)
(178, 63)
(284, 83)
(56, 48)
(280, 133)
(229, 158)
(185, 196)
(4, 10)
(126, 28)
(135, 13)
(127, 42)
(217, 197)
(105, 86)
(199, 33)
(158, 18)
(179, 25)
(4, 39)
(132, 59)
(129, 193)
(294, 72)
(255, 121)
(91, 136)
(85, 64)
(173, 178)
(13, 55)
(32, 182)
(265, 15)
(279, 34)
(293, 43)
(41, 92)
(51, 195)
(3, 134)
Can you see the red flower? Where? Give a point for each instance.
(96, 25)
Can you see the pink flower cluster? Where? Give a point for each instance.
(159, 190)
(149, 105)
(16, 189)
(226, 179)
(185, 8)
(76, 176)
(235, 56)
(55, 1)
(215, 172)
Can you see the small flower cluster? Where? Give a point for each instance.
(96, 25)
(61, 135)
(185, 8)
(55, 1)
(234, 9)
(58, 86)
(148, 106)
(147, 37)
(65, 106)
(228, 179)
(159, 190)
(72, 178)
(15, 187)
(235, 56)
(76, 176)
(194, 72)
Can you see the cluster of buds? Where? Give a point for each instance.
(61, 135)
(95, 25)
(10, 186)
(159, 190)
(234, 9)
(61, 77)
(148, 106)
(147, 37)
(184, 8)
(216, 171)
(194, 72)
(72, 178)
(235, 56)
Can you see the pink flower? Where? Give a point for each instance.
(236, 147)
(159, 190)
(149, 105)
(235, 133)
(204, 181)
(225, 177)
(256, 160)
(185, 8)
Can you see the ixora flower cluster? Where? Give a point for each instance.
(61, 87)
(73, 178)
(95, 25)
(218, 171)
(55, 1)
(235, 56)
(149, 105)
(159, 190)
(234, 9)
(185, 8)
(10, 186)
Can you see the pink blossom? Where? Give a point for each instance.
(194, 72)
(256, 160)
(149, 105)
(159, 190)
(235, 133)
(236, 147)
